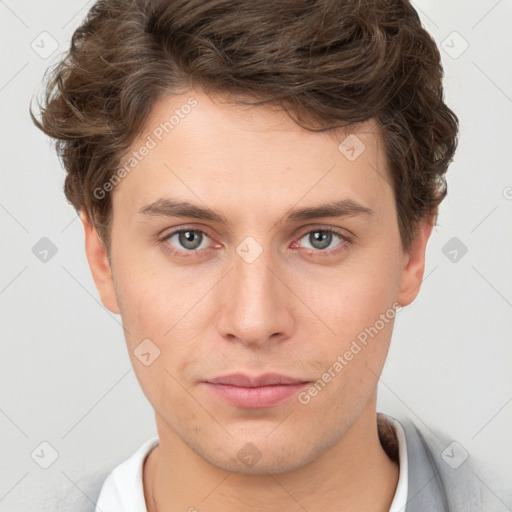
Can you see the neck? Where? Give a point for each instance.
(354, 474)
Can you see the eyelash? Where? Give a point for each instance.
(346, 241)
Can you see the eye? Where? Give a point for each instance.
(186, 240)
(322, 239)
(189, 242)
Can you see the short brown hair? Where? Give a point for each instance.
(335, 62)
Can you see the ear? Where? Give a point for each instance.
(414, 263)
(99, 265)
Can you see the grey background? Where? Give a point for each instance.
(66, 378)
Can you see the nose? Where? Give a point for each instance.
(256, 303)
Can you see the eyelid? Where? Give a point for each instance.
(342, 233)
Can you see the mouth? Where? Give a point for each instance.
(260, 391)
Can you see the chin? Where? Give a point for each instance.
(262, 458)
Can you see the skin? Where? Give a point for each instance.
(293, 310)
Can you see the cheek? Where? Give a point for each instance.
(142, 307)
(351, 297)
(357, 303)
(166, 305)
(157, 320)
(150, 294)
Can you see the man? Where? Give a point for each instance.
(257, 183)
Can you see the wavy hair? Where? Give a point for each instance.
(327, 63)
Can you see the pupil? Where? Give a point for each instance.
(321, 239)
(187, 239)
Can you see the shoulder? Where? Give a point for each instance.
(123, 488)
(442, 474)
(117, 488)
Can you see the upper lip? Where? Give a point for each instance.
(246, 381)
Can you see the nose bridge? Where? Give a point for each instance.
(255, 305)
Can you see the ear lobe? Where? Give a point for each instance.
(414, 264)
(100, 266)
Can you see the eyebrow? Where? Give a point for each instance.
(174, 208)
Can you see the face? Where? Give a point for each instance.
(224, 273)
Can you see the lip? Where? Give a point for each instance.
(247, 391)
(246, 381)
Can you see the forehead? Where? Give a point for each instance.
(205, 150)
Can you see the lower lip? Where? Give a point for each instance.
(263, 396)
